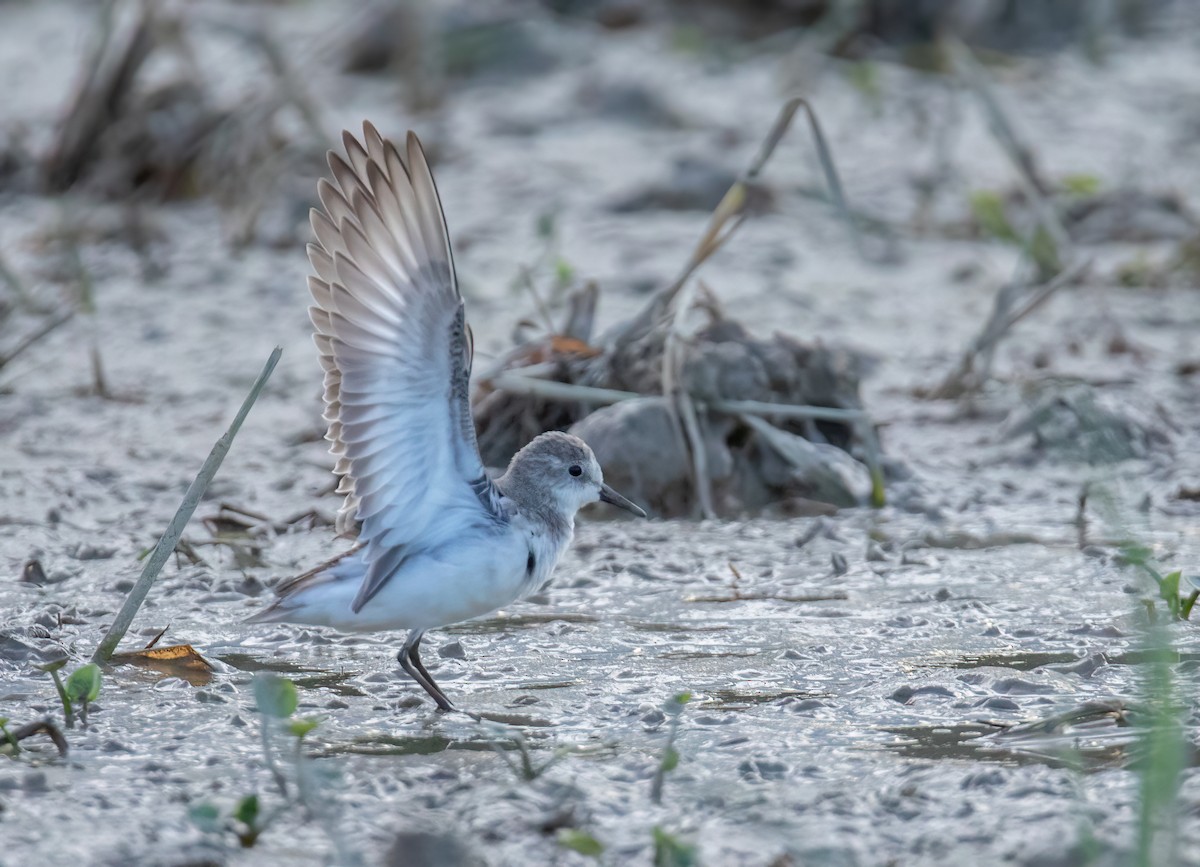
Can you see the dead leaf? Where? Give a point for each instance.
(178, 660)
(572, 346)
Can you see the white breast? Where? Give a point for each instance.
(545, 549)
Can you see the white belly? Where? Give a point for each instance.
(430, 589)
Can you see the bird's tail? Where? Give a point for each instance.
(318, 595)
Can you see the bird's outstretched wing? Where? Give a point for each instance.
(396, 350)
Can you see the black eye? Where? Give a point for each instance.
(575, 470)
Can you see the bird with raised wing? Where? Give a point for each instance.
(439, 541)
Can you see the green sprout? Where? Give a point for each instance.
(276, 699)
(275, 696)
(670, 756)
(246, 821)
(80, 689)
(1164, 748)
(1081, 185)
(991, 213)
(670, 851)
(526, 769)
(8, 736)
(83, 686)
(1179, 602)
(580, 841)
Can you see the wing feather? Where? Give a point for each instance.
(390, 329)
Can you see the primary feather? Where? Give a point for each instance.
(391, 331)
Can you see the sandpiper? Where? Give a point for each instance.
(439, 541)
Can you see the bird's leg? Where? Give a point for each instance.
(410, 660)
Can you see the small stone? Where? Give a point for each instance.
(416, 848)
(653, 718)
(1019, 686)
(907, 694)
(33, 573)
(804, 705)
(985, 779)
(452, 650)
(838, 562)
(92, 552)
(996, 702)
(34, 781)
(762, 769)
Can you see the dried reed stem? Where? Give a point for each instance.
(166, 544)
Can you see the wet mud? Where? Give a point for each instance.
(955, 678)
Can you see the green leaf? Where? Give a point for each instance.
(563, 272)
(989, 212)
(1081, 185)
(864, 77)
(53, 666)
(301, 727)
(9, 738)
(84, 683)
(275, 696)
(1044, 252)
(1168, 588)
(670, 851)
(683, 698)
(246, 811)
(206, 817)
(581, 842)
(1133, 554)
(670, 760)
(1186, 605)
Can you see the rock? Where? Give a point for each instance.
(33, 573)
(1081, 424)
(635, 442)
(427, 849)
(1020, 686)
(762, 769)
(815, 470)
(752, 464)
(84, 551)
(908, 694)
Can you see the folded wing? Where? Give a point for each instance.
(396, 350)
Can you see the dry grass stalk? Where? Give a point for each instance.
(47, 326)
(1034, 187)
(726, 219)
(120, 50)
(974, 369)
(166, 544)
(730, 213)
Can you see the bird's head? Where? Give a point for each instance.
(561, 468)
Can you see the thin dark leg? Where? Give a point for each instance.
(410, 661)
(414, 657)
